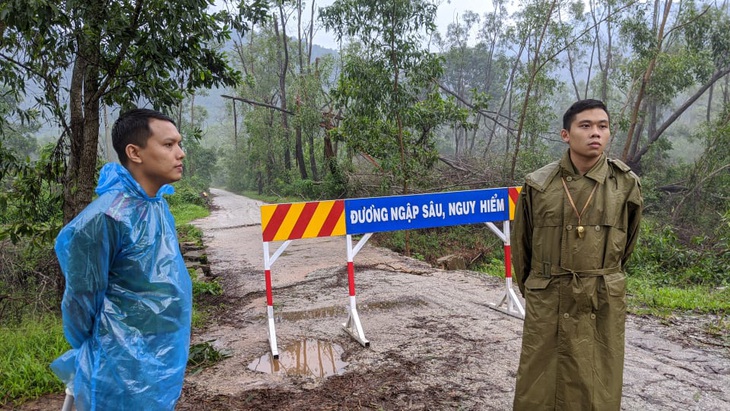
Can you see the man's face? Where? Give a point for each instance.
(162, 156)
(588, 135)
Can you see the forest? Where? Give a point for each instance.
(400, 107)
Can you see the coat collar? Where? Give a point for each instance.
(114, 177)
(597, 173)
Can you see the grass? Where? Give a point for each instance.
(644, 297)
(25, 354)
(271, 198)
(493, 267)
(28, 348)
(185, 213)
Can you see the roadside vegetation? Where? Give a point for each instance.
(31, 332)
(384, 115)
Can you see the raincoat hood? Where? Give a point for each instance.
(114, 177)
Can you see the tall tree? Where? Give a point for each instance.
(540, 27)
(392, 106)
(687, 53)
(283, 58)
(118, 52)
(461, 69)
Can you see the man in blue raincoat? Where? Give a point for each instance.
(128, 298)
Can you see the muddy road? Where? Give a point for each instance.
(435, 343)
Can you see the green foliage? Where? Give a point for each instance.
(206, 287)
(16, 135)
(493, 267)
(115, 53)
(200, 163)
(645, 295)
(386, 86)
(184, 213)
(259, 154)
(204, 355)
(29, 282)
(189, 202)
(533, 159)
(201, 290)
(157, 47)
(30, 204)
(188, 233)
(189, 191)
(476, 243)
(26, 351)
(661, 259)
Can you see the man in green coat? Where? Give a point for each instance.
(575, 225)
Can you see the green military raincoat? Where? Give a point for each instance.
(574, 286)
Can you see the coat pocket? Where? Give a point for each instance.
(537, 283)
(615, 284)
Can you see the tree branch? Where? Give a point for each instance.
(487, 114)
(687, 104)
(256, 103)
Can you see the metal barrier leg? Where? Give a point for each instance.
(353, 325)
(268, 262)
(514, 306)
(68, 402)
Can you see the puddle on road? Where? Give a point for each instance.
(306, 358)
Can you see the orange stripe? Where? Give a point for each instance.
(338, 209)
(275, 223)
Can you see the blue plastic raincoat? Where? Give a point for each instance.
(128, 300)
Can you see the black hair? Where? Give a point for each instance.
(579, 107)
(133, 127)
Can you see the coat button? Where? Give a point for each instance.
(566, 315)
(593, 316)
(598, 228)
(569, 178)
(568, 227)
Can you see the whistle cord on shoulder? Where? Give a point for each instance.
(579, 229)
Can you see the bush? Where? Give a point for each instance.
(30, 282)
(660, 258)
(475, 242)
(189, 192)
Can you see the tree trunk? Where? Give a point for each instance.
(643, 85)
(526, 101)
(80, 178)
(678, 112)
(283, 68)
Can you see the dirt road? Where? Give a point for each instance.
(434, 342)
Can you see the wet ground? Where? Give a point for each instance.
(435, 343)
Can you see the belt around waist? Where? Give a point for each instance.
(558, 271)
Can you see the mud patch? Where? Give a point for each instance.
(383, 389)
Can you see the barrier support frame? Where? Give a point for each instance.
(268, 262)
(509, 297)
(353, 326)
